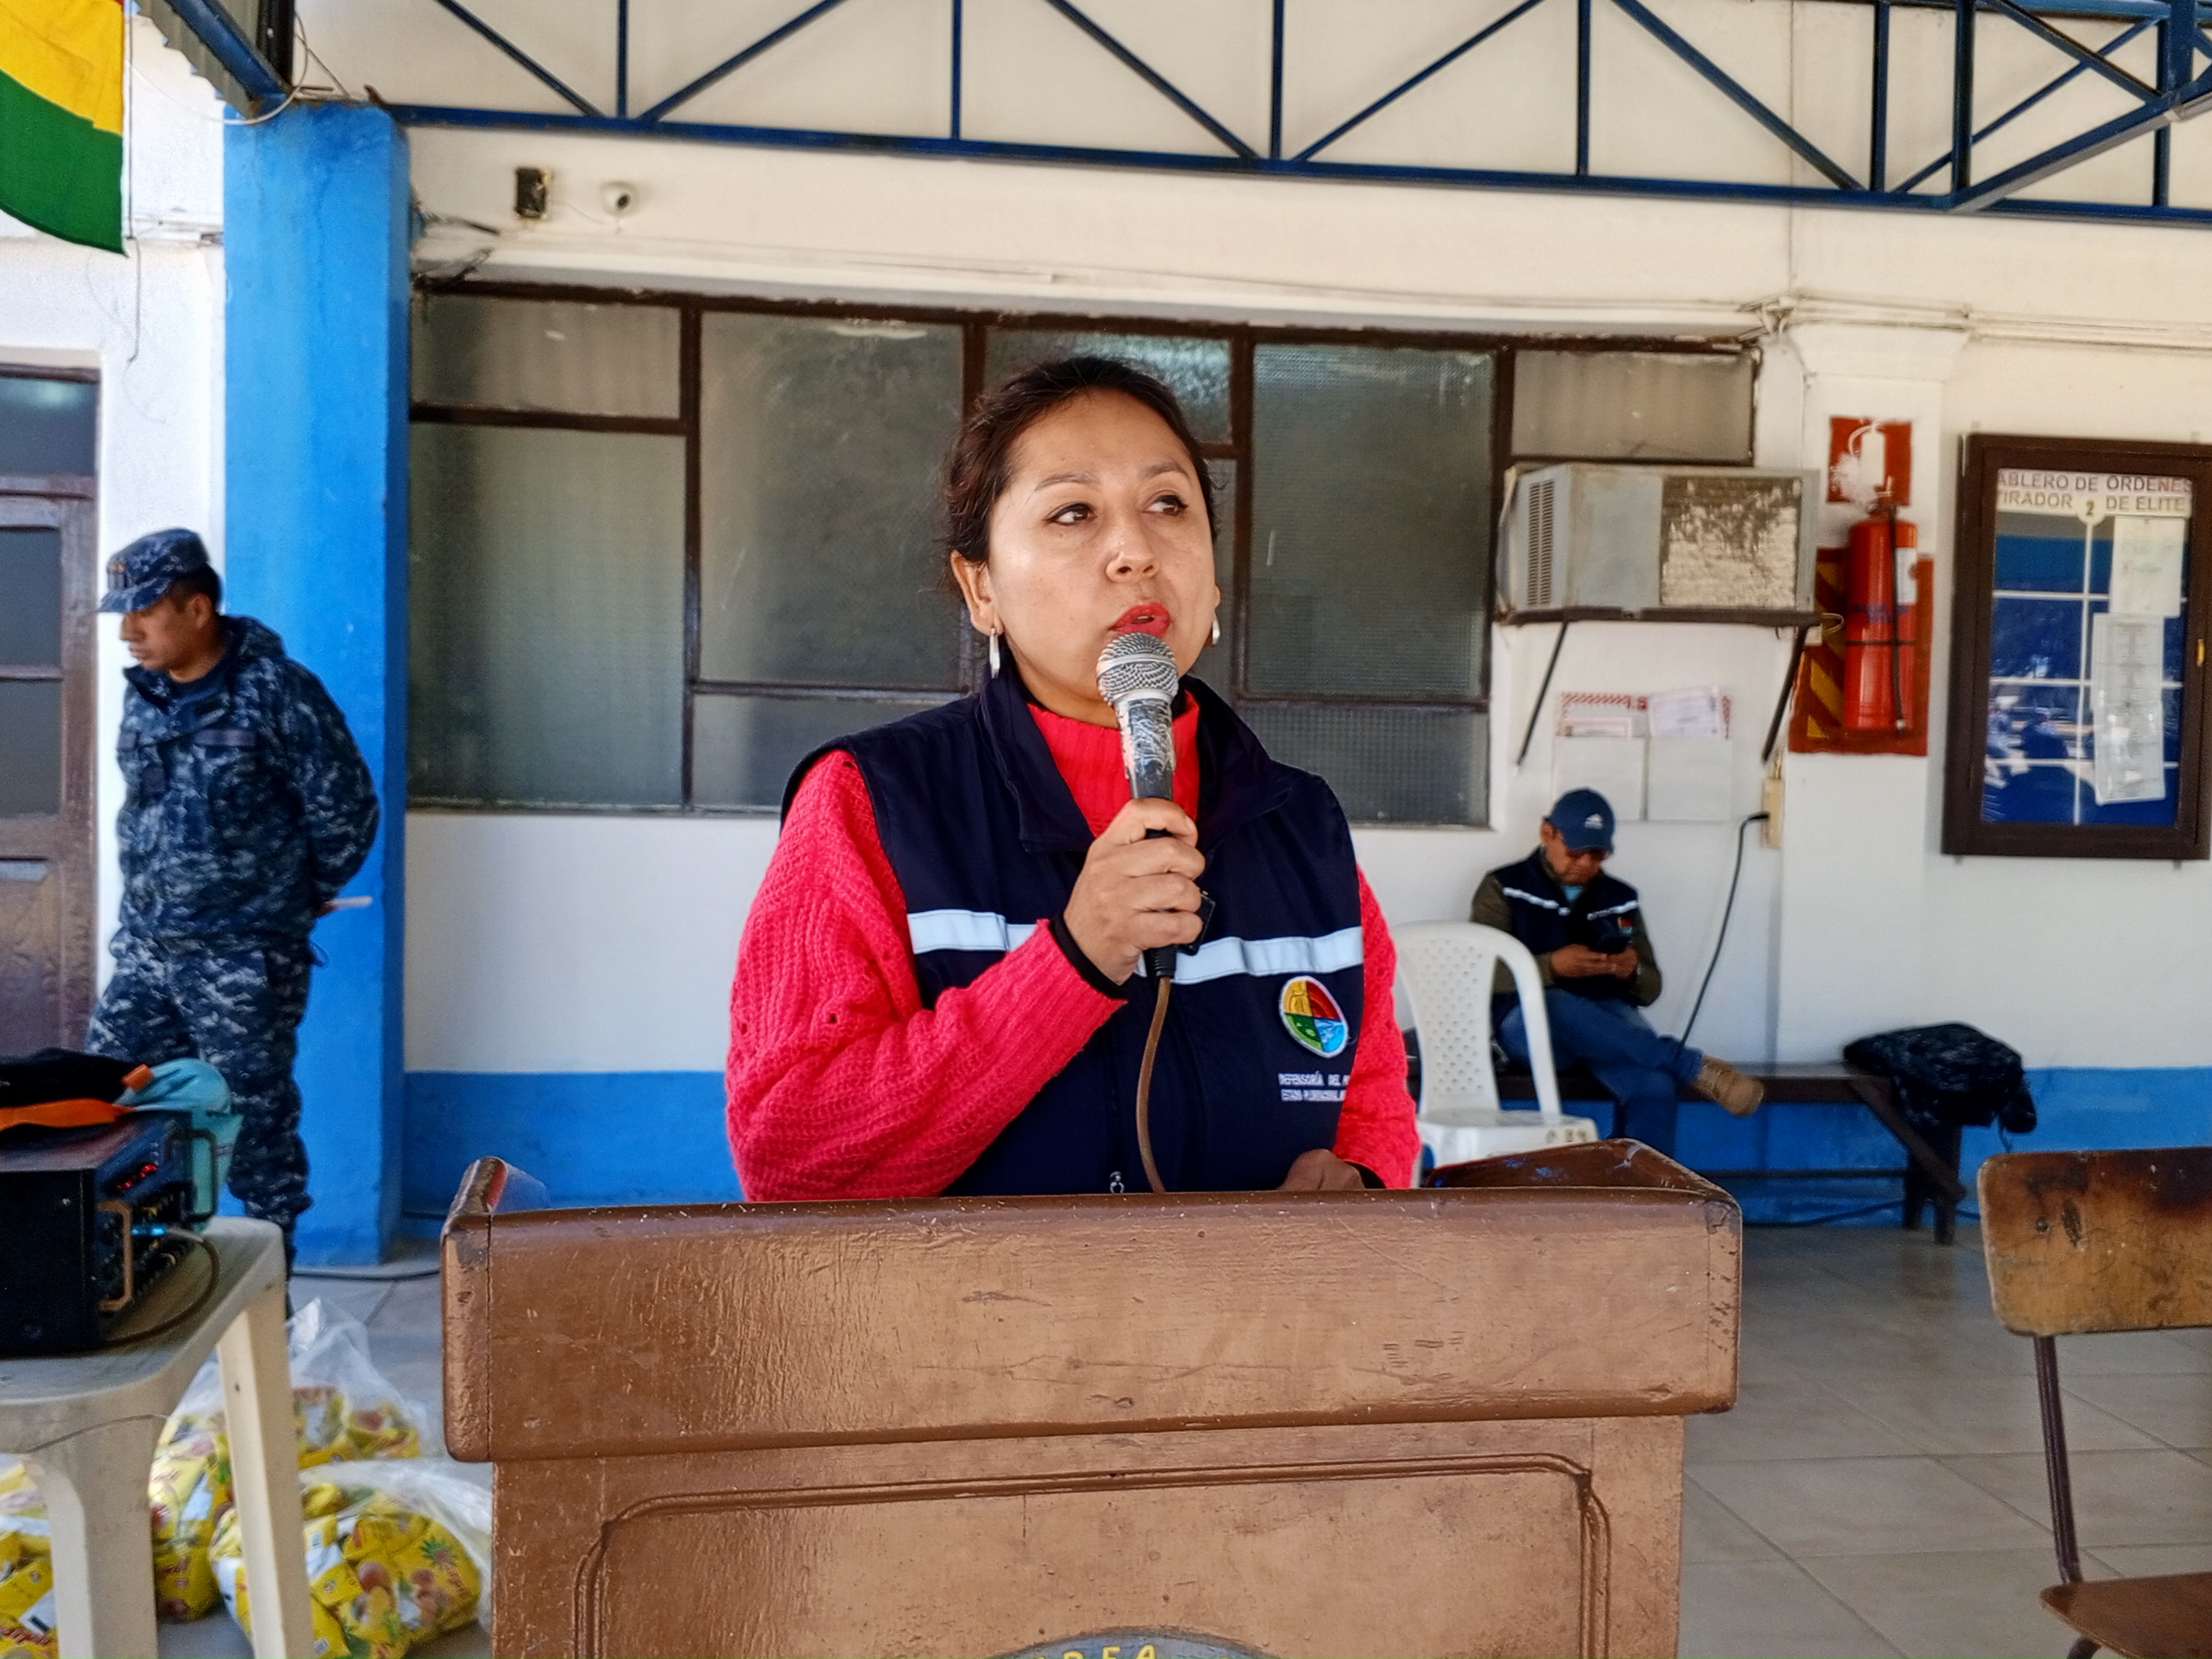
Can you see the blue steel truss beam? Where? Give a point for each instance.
(258, 81)
(2026, 103)
(2088, 57)
(2181, 93)
(569, 94)
(1736, 93)
(2180, 98)
(1417, 77)
(959, 64)
(736, 60)
(1152, 78)
(2190, 99)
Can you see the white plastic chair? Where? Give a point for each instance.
(1447, 968)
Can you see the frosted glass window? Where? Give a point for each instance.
(743, 748)
(1371, 521)
(1196, 370)
(1387, 765)
(30, 747)
(1632, 405)
(31, 598)
(820, 448)
(547, 616)
(562, 356)
(46, 426)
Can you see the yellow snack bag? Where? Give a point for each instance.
(342, 1409)
(384, 1575)
(27, 1600)
(186, 1493)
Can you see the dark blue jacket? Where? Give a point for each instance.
(248, 804)
(1604, 915)
(987, 842)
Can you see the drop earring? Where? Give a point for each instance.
(994, 652)
(1217, 628)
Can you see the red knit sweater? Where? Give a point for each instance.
(843, 1084)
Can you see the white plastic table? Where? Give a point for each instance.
(87, 1426)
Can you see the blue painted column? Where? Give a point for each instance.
(315, 537)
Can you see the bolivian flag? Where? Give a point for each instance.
(61, 118)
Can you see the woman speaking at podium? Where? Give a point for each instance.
(938, 988)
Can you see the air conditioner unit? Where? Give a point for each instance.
(1645, 540)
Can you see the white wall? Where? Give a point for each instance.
(1855, 924)
(547, 943)
(551, 943)
(559, 943)
(150, 321)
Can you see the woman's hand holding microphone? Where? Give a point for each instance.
(1137, 890)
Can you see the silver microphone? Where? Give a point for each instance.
(1137, 677)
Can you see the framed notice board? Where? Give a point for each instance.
(2077, 650)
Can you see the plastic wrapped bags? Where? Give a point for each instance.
(398, 1553)
(344, 1408)
(345, 1412)
(27, 1569)
(187, 1493)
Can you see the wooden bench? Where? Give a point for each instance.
(1930, 1171)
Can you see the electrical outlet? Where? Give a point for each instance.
(1770, 802)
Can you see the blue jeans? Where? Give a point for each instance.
(1633, 1063)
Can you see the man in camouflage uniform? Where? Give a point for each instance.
(248, 807)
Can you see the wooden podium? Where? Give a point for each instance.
(1128, 1427)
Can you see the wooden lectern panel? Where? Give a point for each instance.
(1442, 1422)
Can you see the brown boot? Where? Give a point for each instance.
(1738, 1094)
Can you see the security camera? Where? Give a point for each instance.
(618, 198)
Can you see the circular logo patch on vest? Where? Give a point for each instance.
(1313, 1019)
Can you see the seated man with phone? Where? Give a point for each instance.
(1586, 930)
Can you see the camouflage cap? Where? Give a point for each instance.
(141, 572)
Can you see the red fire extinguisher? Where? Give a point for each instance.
(1878, 666)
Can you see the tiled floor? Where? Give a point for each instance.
(1878, 1489)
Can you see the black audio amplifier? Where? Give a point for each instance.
(85, 1221)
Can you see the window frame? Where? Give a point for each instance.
(977, 327)
(1966, 834)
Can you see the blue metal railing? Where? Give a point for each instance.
(2181, 90)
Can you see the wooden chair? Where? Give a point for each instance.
(2080, 1244)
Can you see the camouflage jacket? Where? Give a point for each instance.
(248, 807)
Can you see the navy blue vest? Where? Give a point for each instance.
(1602, 914)
(987, 842)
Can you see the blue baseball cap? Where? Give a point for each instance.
(143, 571)
(1584, 820)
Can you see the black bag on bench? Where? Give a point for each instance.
(1951, 1074)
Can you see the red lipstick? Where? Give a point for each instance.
(1145, 617)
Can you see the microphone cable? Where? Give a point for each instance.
(1145, 1083)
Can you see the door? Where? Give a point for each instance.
(47, 565)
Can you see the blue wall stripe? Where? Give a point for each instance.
(640, 1137)
(592, 1137)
